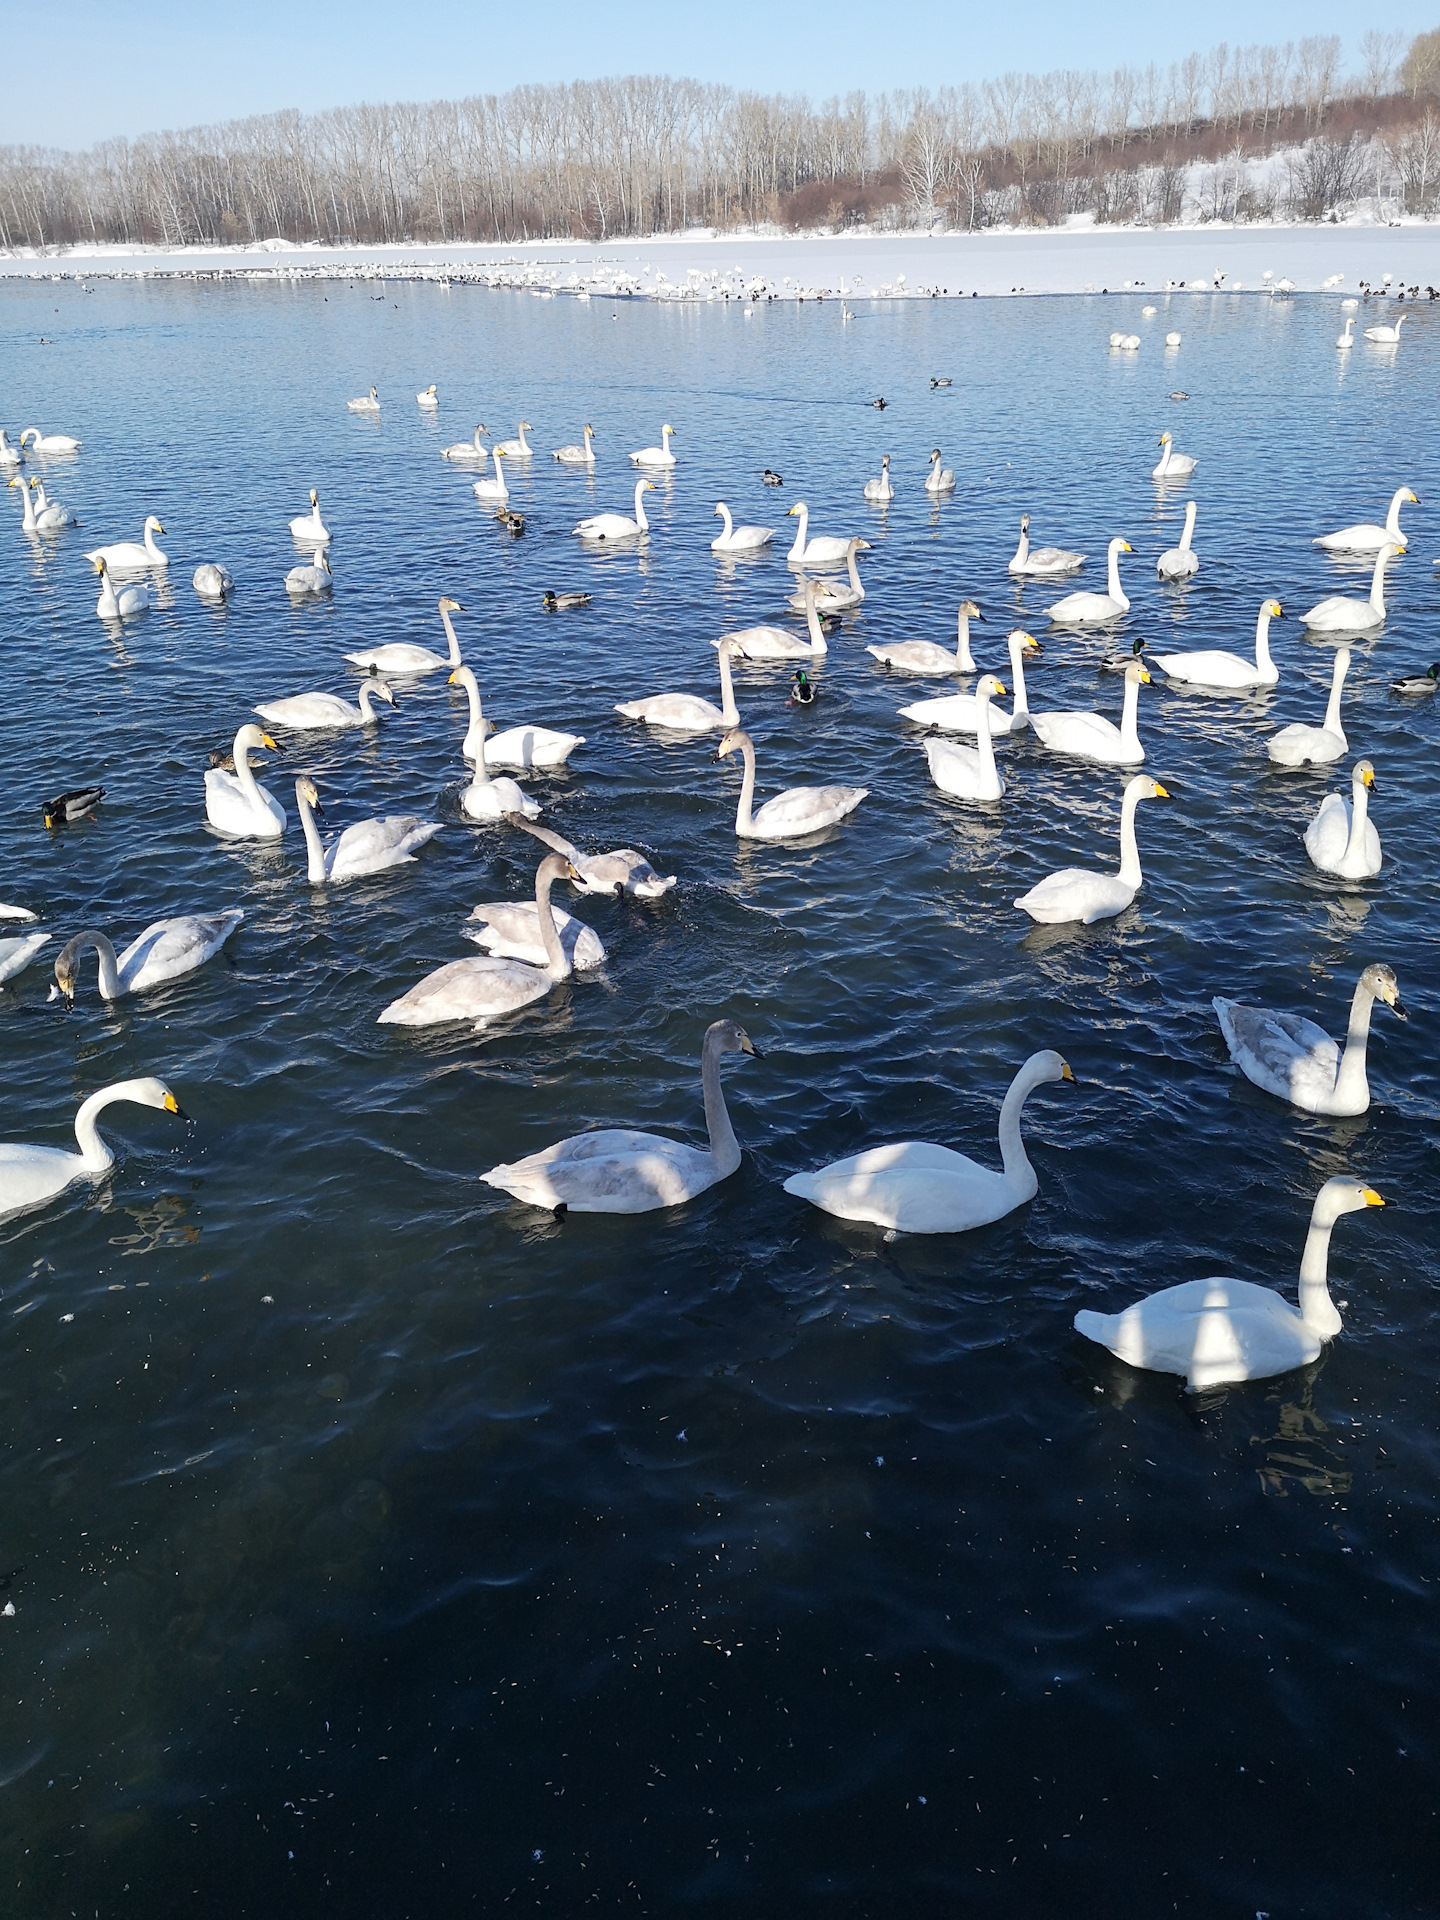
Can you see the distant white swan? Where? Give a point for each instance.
(9, 456)
(924, 657)
(400, 656)
(308, 528)
(316, 712)
(914, 1187)
(1037, 562)
(1227, 672)
(119, 603)
(687, 712)
(1178, 563)
(519, 448)
(583, 456)
(128, 555)
(614, 526)
(969, 773)
(1097, 609)
(1342, 840)
(1172, 465)
(1302, 746)
(1366, 537)
(660, 456)
(307, 582)
(494, 490)
(1076, 893)
(49, 442)
(620, 871)
(1220, 1330)
(29, 1176)
(1346, 613)
(236, 803)
(617, 1170)
(167, 950)
(733, 539)
(1297, 1061)
(429, 399)
(213, 581)
(789, 815)
(831, 598)
(1090, 736)
(27, 503)
(881, 491)
(960, 712)
(468, 452)
(370, 846)
(820, 552)
(939, 479)
(50, 516)
(367, 403)
(1386, 336)
(1347, 338)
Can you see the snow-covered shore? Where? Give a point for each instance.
(859, 266)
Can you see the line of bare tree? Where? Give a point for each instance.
(599, 159)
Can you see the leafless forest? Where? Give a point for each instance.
(598, 159)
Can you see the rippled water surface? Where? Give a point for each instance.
(377, 1546)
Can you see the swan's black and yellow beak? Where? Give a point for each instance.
(1065, 1073)
(747, 1045)
(1370, 1197)
(271, 745)
(172, 1105)
(1368, 779)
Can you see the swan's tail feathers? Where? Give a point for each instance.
(1096, 1327)
(1225, 1014)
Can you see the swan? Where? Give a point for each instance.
(1075, 893)
(620, 871)
(469, 451)
(960, 712)
(914, 1187)
(1296, 1060)
(18, 913)
(833, 599)
(939, 480)
(735, 539)
(315, 712)
(1090, 736)
(521, 746)
(583, 456)
(1040, 561)
(370, 846)
(1346, 613)
(50, 442)
(883, 489)
(308, 528)
(1381, 336)
(1179, 562)
(1227, 672)
(1220, 1330)
(1347, 338)
(660, 456)
(399, 656)
(1096, 609)
(27, 504)
(925, 657)
(791, 814)
(9, 456)
(482, 988)
(367, 403)
(1172, 465)
(813, 553)
(236, 803)
(1367, 537)
(119, 604)
(29, 1176)
(519, 449)
(762, 644)
(614, 526)
(50, 516)
(1341, 839)
(687, 712)
(495, 489)
(167, 950)
(315, 579)
(212, 581)
(511, 931)
(616, 1170)
(126, 555)
(17, 953)
(969, 773)
(429, 399)
(1301, 746)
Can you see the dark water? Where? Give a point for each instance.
(732, 1559)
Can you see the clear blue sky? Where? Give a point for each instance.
(85, 69)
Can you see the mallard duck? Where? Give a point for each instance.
(802, 693)
(74, 805)
(769, 479)
(1414, 683)
(513, 523)
(563, 602)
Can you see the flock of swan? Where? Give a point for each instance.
(1209, 1331)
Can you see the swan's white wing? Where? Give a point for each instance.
(397, 657)
(1284, 1053)
(611, 1170)
(16, 954)
(1074, 893)
(480, 988)
(912, 1186)
(916, 656)
(372, 845)
(960, 771)
(1208, 1330)
(29, 1176)
(1328, 834)
(513, 927)
(1209, 669)
(681, 712)
(309, 710)
(526, 746)
(1087, 735)
(169, 948)
(801, 810)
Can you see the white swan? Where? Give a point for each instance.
(17, 952)
(317, 712)
(764, 645)
(836, 599)
(1075, 893)
(367, 403)
(519, 449)
(523, 746)
(791, 814)
(1346, 613)
(620, 871)
(315, 579)
(121, 603)
(236, 803)
(213, 581)
(583, 456)
(1178, 563)
(821, 552)
(1381, 336)
(49, 442)
(1300, 746)
(939, 479)
(17, 913)
(914, 1187)
(924, 657)
(50, 516)
(9, 456)
(1172, 465)
(1366, 537)
(511, 931)
(1342, 840)
(1221, 1330)
(660, 456)
(1090, 736)
(1227, 672)
(1297, 1061)
(1097, 609)
(969, 773)
(370, 846)
(468, 452)
(130, 555)
(400, 656)
(495, 489)
(487, 798)
(1037, 562)
(1347, 338)
(733, 539)
(27, 504)
(308, 528)
(960, 712)
(482, 988)
(687, 712)
(29, 1176)
(881, 491)
(167, 950)
(617, 1170)
(429, 399)
(614, 526)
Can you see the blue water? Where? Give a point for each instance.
(377, 1546)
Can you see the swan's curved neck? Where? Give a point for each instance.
(558, 966)
(1317, 1309)
(818, 643)
(316, 871)
(1022, 552)
(1018, 1170)
(729, 712)
(1130, 713)
(854, 572)
(964, 661)
(1332, 709)
(150, 546)
(1351, 1080)
(640, 520)
(450, 636)
(1188, 535)
(93, 1150)
(1359, 815)
(1113, 586)
(1129, 875)
(728, 527)
(110, 987)
(476, 726)
(724, 1147)
(1020, 705)
(1263, 662)
(1377, 584)
(366, 703)
(802, 532)
(743, 818)
(109, 606)
(245, 778)
(985, 738)
(1392, 519)
(27, 508)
